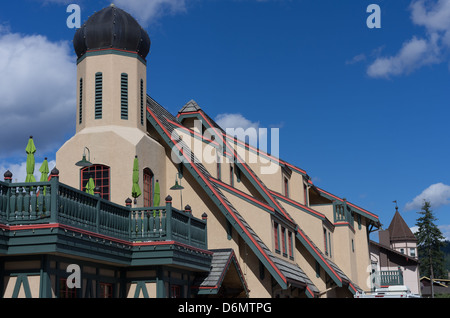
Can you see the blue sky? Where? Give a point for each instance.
(364, 111)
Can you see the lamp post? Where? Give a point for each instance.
(178, 187)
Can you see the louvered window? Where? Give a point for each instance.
(124, 96)
(98, 95)
(80, 114)
(142, 102)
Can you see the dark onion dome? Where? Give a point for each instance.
(111, 28)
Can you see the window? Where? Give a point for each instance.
(98, 95)
(101, 176)
(229, 230)
(124, 96)
(286, 186)
(412, 252)
(65, 291)
(291, 245)
(231, 176)
(148, 187)
(283, 240)
(80, 119)
(305, 194)
(402, 250)
(219, 173)
(325, 241)
(106, 290)
(142, 102)
(276, 237)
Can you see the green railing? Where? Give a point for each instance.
(390, 277)
(54, 202)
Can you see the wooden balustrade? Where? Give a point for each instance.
(54, 202)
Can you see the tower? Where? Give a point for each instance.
(111, 70)
(111, 50)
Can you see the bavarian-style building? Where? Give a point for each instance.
(193, 227)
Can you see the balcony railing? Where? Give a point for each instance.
(55, 202)
(383, 278)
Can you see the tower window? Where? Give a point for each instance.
(98, 95)
(142, 102)
(101, 176)
(124, 96)
(80, 120)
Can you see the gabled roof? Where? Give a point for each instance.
(399, 230)
(190, 106)
(332, 270)
(222, 261)
(161, 120)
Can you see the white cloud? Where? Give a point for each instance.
(146, 11)
(419, 51)
(437, 194)
(413, 55)
(19, 170)
(37, 89)
(235, 121)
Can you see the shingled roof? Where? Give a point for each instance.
(161, 120)
(399, 231)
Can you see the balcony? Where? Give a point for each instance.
(54, 217)
(384, 278)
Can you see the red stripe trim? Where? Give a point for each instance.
(244, 164)
(242, 194)
(349, 203)
(298, 204)
(97, 235)
(207, 182)
(319, 254)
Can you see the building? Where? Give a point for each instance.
(394, 259)
(243, 223)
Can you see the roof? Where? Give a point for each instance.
(221, 263)
(111, 28)
(399, 230)
(190, 106)
(161, 120)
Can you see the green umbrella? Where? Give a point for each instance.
(90, 186)
(157, 196)
(30, 149)
(44, 172)
(135, 190)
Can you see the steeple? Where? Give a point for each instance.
(399, 230)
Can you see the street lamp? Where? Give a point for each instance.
(83, 162)
(178, 187)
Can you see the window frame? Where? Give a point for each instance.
(105, 190)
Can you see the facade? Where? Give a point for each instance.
(244, 224)
(394, 259)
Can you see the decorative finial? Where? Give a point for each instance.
(396, 207)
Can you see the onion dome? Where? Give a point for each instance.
(111, 28)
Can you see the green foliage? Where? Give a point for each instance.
(430, 243)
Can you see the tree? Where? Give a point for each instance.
(430, 240)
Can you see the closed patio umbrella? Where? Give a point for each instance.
(90, 186)
(44, 172)
(135, 190)
(30, 150)
(157, 195)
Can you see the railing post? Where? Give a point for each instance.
(97, 209)
(188, 211)
(169, 217)
(205, 218)
(128, 205)
(54, 184)
(8, 179)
